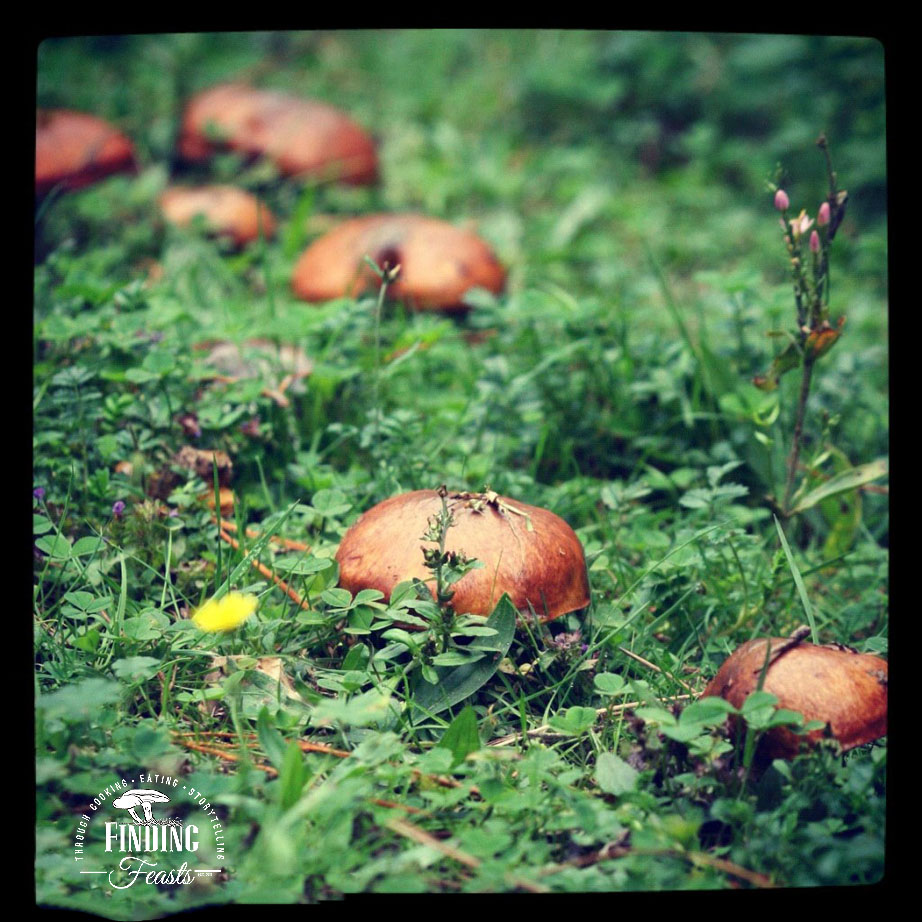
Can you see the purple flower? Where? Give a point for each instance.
(814, 242)
(822, 219)
(39, 493)
(566, 640)
(782, 202)
(118, 507)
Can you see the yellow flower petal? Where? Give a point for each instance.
(225, 614)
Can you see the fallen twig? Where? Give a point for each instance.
(265, 571)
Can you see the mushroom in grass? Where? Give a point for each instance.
(844, 689)
(225, 210)
(526, 551)
(301, 137)
(438, 262)
(74, 149)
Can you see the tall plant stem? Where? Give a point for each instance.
(798, 433)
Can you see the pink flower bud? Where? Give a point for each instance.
(782, 203)
(822, 219)
(814, 242)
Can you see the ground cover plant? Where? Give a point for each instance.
(687, 365)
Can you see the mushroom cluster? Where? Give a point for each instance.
(527, 552)
(843, 689)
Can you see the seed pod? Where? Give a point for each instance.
(226, 210)
(527, 552)
(845, 690)
(74, 149)
(302, 137)
(438, 262)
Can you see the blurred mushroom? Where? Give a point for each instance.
(225, 210)
(527, 552)
(301, 137)
(203, 462)
(74, 149)
(226, 500)
(438, 262)
(844, 689)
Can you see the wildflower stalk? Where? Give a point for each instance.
(797, 437)
(810, 276)
(436, 560)
(386, 274)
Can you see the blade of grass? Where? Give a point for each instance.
(798, 581)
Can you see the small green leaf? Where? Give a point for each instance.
(614, 775)
(337, 598)
(849, 479)
(657, 715)
(54, 546)
(136, 669)
(609, 683)
(87, 545)
(270, 739)
(88, 642)
(299, 565)
(462, 736)
(40, 524)
(456, 658)
(575, 720)
(758, 708)
(708, 711)
(291, 776)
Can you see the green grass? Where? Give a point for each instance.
(623, 179)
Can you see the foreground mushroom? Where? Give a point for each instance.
(438, 262)
(844, 689)
(74, 149)
(301, 137)
(527, 552)
(225, 210)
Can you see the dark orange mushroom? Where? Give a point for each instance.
(526, 551)
(302, 137)
(844, 689)
(74, 149)
(225, 210)
(438, 262)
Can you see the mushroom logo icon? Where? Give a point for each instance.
(139, 797)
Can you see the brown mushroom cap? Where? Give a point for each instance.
(438, 262)
(846, 690)
(301, 136)
(543, 566)
(227, 210)
(76, 149)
